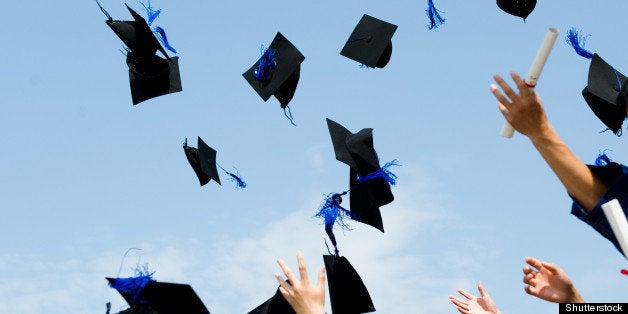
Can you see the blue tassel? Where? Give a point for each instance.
(434, 15)
(267, 65)
(240, 184)
(364, 66)
(236, 178)
(383, 173)
(152, 15)
(134, 285)
(577, 41)
(163, 39)
(602, 159)
(332, 212)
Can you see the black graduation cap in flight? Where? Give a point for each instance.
(346, 290)
(163, 298)
(277, 304)
(277, 72)
(520, 8)
(203, 161)
(150, 75)
(370, 42)
(606, 93)
(357, 151)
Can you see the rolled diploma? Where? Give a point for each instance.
(535, 71)
(616, 218)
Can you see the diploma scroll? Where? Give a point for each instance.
(535, 71)
(616, 218)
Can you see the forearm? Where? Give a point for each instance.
(580, 182)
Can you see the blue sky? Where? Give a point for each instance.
(85, 175)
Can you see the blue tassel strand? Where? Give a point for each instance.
(134, 285)
(383, 173)
(332, 212)
(152, 15)
(434, 15)
(577, 41)
(602, 159)
(235, 177)
(161, 35)
(267, 65)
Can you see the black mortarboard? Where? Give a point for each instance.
(520, 8)
(606, 93)
(279, 76)
(277, 304)
(203, 161)
(164, 298)
(346, 290)
(357, 151)
(370, 43)
(150, 76)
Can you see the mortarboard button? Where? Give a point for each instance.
(520, 8)
(203, 161)
(281, 75)
(606, 93)
(370, 42)
(149, 75)
(346, 290)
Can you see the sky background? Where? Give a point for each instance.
(84, 175)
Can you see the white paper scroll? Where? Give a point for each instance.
(535, 71)
(616, 218)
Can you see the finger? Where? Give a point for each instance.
(530, 290)
(506, 88)
(466, 294)
(527, 269)
(283, 284)
(321, 278)
(524, 88)
(286, 270)
(551, 267)
(534, 262)
(459, 303)
(527, 278)
(481, 289)
(502, 100)
(302, 269)
(285, 293)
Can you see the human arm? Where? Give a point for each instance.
(524, 111)
(549, 282)
(304, 297)
(474, 305)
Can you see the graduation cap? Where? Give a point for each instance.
(369, 184)
(160, 298)
(150, 75)
(346, 290)
(370, 42)
(203, 161)
(520, 8)
(277, 304)
(357, 151)
(605, 92)
(277, 72)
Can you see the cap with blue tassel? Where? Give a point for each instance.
(606, 90)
